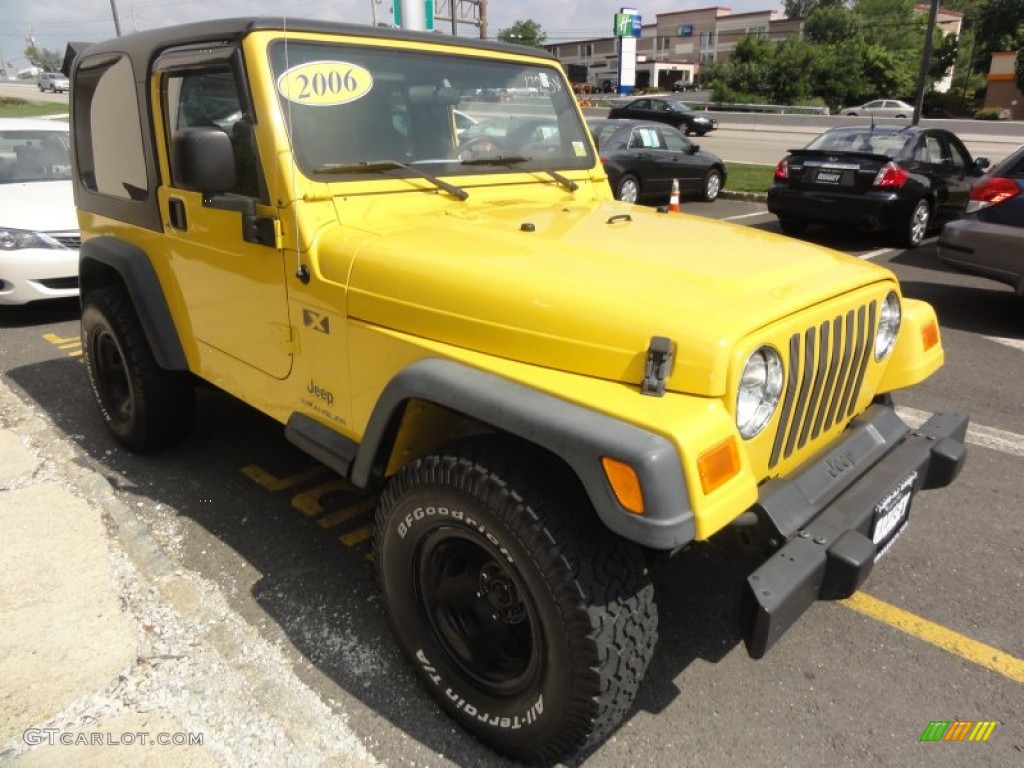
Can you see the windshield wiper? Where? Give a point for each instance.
(511, 160)
(390, 165)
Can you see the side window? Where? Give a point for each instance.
(642, 104)
(210, 98)
(646, 138)
(931, 150)
(108, 132)
(959, 155)
(673, 141)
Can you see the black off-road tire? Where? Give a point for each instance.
(527, 619)
(145, 407)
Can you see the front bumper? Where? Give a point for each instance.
(828, 509)
(37, 274)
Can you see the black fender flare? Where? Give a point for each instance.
(580, 436)
(101, 255)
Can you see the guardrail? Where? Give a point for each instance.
(716, 106)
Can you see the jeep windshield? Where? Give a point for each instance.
(351, 109)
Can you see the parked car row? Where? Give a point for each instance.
(905, 180)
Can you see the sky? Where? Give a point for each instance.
(55, 22)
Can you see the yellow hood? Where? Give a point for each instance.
(582, 287)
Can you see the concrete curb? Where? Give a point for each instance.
(749, 197)
(106, 643)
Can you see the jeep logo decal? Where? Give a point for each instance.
(324, 83)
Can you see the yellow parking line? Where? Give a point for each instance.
(266, 480)
(358, 536)
(350, 512)
(937, 635)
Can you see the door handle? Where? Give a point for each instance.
(176, 213)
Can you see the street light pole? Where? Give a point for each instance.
(926, 60)
(117, 24)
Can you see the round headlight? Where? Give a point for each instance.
(888, 326)
(759, 391)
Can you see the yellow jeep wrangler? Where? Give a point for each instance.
(435, 293)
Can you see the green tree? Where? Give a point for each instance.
(799, 8)
(944, 55)
(832, 25)
(804, 8)
(1001, 26)
(527, 32)
(46, 60)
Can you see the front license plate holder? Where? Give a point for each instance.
(891, 513)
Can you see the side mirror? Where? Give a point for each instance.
(980, 164)
(694, 149)
(204, 160)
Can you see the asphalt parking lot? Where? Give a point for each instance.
(935, 635)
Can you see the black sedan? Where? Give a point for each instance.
(900, 179)
(989, 239)
(668, 111)
(642, 158)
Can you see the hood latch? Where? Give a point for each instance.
(658, 366)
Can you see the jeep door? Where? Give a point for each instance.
(234, 281)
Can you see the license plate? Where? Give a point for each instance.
(890, 514)
(829, 177)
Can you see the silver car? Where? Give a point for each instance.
(989, 239)
(53, 81)
(881, 108)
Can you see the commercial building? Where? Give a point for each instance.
(674, 47)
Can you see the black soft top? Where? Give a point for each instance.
(143, 47)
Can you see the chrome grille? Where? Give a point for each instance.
(826, 368)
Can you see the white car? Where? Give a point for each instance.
(881, 108)
(39, 236)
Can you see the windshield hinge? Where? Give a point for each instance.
(658, 366)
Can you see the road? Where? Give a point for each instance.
(936, 634)
(30, 92)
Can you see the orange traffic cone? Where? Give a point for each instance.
(673, 200)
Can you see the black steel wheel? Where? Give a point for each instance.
(530, 623)
(145, 407)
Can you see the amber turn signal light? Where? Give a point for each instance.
(625, 484)
(718, 464)
(930, 334)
